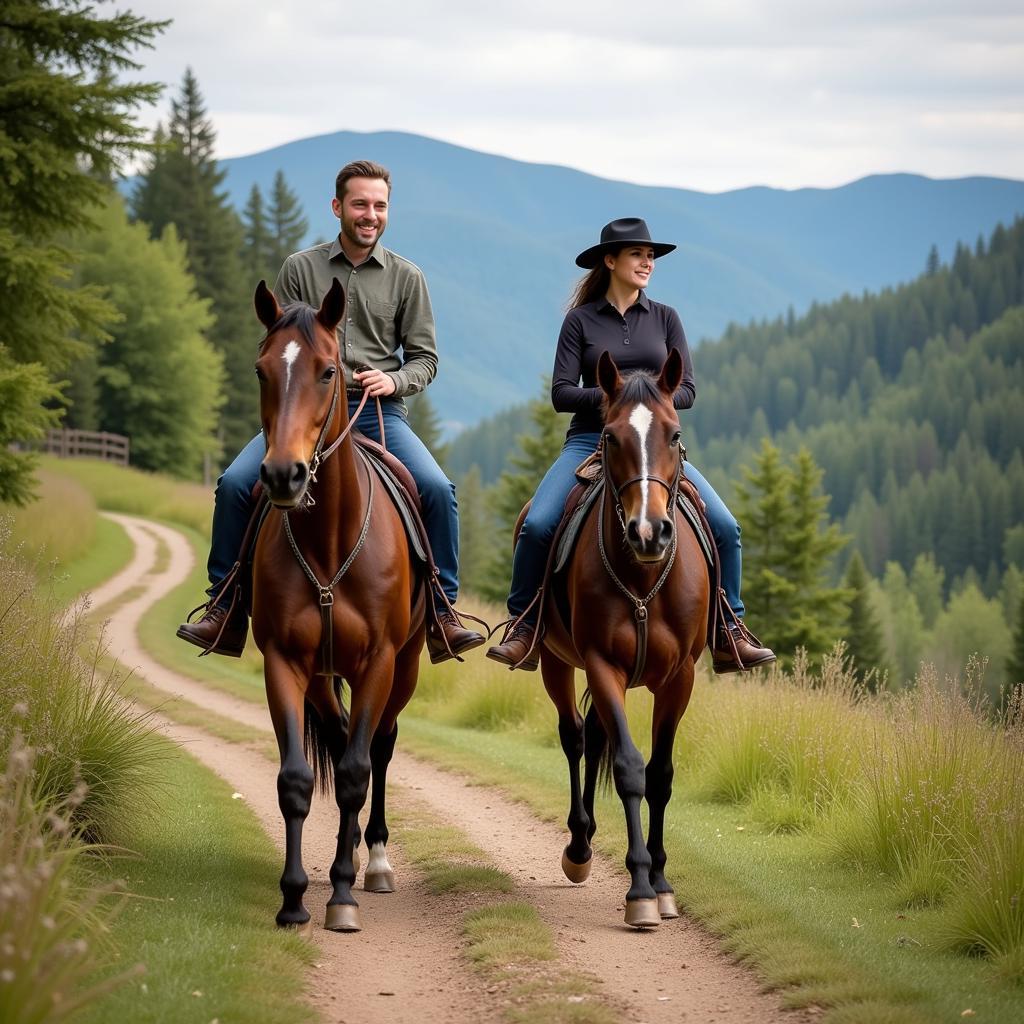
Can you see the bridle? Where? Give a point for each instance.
(639, 603)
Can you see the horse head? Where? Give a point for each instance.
(300, 389)
(640, 451)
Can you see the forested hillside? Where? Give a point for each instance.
(911, 401)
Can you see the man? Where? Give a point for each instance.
(387, 347)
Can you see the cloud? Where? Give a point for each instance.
(788, 93)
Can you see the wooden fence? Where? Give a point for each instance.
(69, 444)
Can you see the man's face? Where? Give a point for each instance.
(363, 211)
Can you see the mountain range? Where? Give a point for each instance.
(497, 237)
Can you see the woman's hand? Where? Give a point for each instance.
(377, 382)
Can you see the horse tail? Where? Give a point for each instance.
(316, 741)
(591, 726)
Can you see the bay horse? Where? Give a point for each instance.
(332, 564)
(636, 593)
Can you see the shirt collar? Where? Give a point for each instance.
(377, 253)
(642, 301)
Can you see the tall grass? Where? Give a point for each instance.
(51, 924)
(83, 731)
(135, 492)
(66, 530)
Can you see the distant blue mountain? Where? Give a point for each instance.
(497, 238)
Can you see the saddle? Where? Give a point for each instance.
(586, 493)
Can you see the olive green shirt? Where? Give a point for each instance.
(387, 309)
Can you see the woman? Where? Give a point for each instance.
(610, 311)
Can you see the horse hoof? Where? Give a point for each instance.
(294, 922)
(667, 905)
(379, 881)
(342, 917)
(576, 872)
(642, 913)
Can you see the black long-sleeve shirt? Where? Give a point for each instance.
(640, 340)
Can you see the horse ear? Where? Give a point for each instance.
(608, 375)
(267, 308)
(671, 373)
(333, 306)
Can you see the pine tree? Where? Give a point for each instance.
(287, 224)
(66, 126)
(538, 449)
(256, 256)
(788, 551)
(862, 634)
(933, 263)
(182, 186)
(426, 424)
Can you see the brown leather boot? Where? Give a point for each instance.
(459, 638)
(204, 631)
(514, 647)
(751, 651)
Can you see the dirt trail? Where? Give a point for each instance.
(410, 943)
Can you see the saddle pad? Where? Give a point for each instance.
(401, 500)
(570, 534)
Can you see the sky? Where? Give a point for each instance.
(665, 92)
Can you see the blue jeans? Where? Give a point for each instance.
(531, 554)
(231, 506)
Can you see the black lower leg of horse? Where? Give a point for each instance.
(570, 732)
(351, 781)
(379, 876)
(595, 740)
(659, 792)
(630, 783)
(335, 730)
(294, 794)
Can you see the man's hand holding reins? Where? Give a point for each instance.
(377, 382)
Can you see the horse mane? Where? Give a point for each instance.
(297, 315)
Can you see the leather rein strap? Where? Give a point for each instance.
(326, 591)
(639, 603)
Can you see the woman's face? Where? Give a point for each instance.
(631, 267)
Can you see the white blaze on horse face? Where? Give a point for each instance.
(640, 419)
(291, 353)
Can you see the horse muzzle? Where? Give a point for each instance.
(649, 539)
(284, 483)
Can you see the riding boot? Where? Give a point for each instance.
(447, 637)
(517, 648)
(220, 630)
(736, 640)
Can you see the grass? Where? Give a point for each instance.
(508, 933)
(825, 933)
(201, 888)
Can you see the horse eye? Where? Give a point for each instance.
(328, 374)
(611, 440)
(676, 437)
(259, 373)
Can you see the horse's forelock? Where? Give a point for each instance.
(297, 315)
(637, 387)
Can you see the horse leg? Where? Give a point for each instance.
(669, 704)
(607, 688)
(379, 875)
(595, 740)
(558, 681)
(351, 781)
(285, 696)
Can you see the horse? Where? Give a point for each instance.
(635, 602)
(335, 597)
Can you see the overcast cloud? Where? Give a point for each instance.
(785, 94)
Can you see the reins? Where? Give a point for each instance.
(325, 592)
(639, 603)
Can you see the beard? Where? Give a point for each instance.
(351, 232)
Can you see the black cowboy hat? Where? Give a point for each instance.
(617, 235)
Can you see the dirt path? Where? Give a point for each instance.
(410, 944)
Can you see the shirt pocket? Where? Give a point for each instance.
(380, 317)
